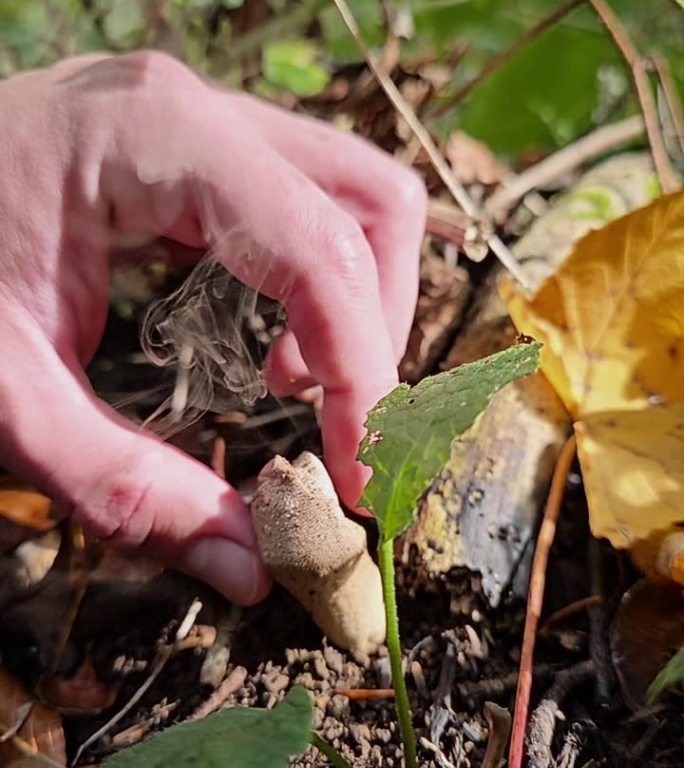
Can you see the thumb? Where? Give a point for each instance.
(121, 483)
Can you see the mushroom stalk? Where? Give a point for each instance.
(317, 553)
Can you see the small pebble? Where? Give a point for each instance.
(383, 672)
(333, 658)
(321, 668)
(360, 733)
(306, 679)
(332, 729)
(338, 706)
(275, 683)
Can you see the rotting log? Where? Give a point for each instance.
(482, 509)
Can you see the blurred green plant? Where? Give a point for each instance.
(558, 87)
(294, 65)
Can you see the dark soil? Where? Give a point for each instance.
(460, 653)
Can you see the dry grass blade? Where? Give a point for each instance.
(535, 599)
(437, 160)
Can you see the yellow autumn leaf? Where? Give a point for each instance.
(612, 322)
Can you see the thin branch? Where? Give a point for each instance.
(567, 159)
(669, 180)
(672, 97)
(218, 698)
(535, 600)
(218, 457)
(567, 611)
(493, 64)
(438, 162)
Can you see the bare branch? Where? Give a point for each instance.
(668, 177)
(566, 159)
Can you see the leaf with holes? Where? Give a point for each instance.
(410, 431)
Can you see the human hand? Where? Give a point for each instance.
(97, 149)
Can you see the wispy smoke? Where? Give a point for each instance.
(200, 329)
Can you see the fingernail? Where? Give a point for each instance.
(232, 570)
(237, 518)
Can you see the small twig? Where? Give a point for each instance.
(566, 611)
(499, 723)
(279, 414)
(545, 716)
(437, 752)
(364, 694)
(567, 159)
(573, 744)
(491, 66)
(669, 180)
(498, 687)
(672, 97)
(635, 755)
(218, 457)
(164, 655)
(330, 753)
(218, 698)
(599, 623)
(440, 712)
(535, 600)
(438, 162)
(447, 221)
(135, 733)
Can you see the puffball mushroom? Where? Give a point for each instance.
(317, 553)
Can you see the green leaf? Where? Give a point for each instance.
(672, 674)
(237, 737)
(293, 65)
(410, 431)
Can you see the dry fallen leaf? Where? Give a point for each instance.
(647, 630)
(612, 323)
(81, 694)
(40, 728)
(24, 506)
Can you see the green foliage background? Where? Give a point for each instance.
(568, 80)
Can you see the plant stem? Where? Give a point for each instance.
(330, 753)
(386, 562)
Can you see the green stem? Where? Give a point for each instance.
(331, 754)
(401, 700)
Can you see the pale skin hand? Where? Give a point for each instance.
(97, 148)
